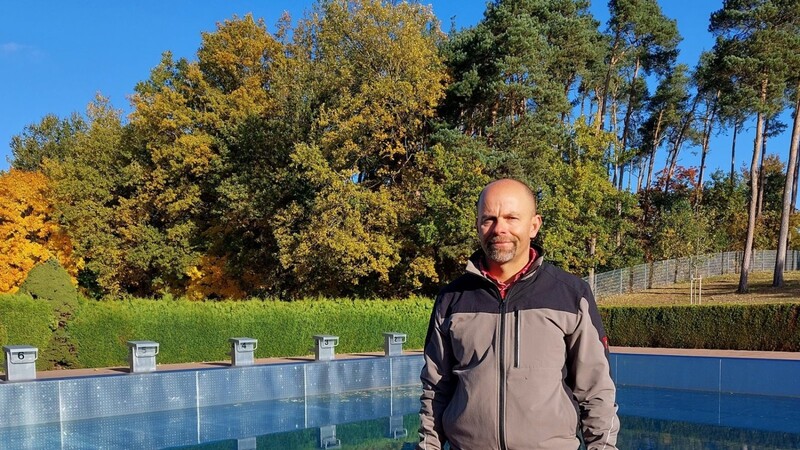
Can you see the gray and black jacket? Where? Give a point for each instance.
(526, 372)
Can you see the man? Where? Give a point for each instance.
(516, 356)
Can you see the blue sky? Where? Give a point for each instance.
(56, 55)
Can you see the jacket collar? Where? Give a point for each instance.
(473, 268)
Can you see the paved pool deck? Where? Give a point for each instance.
(51, 374)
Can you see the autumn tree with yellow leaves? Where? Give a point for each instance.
(29, 233)
(374, 78)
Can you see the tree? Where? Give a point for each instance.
(51, 138)
(255, 82)
(642, 39)
(374, 78)
(440, 232)
(734, 103)
(30, 232)
(88, 183)
(709, 98)
(523, 57)
(667, 111)
(751, 35)
(726, 206)
(514, 75)
(790, 27)
(682, 231)
(579, 207)
(185, 118)
(787, 207)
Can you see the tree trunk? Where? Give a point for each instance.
(627, 123)
(565, 115)
(751, 220)
(650, 164)
(615, 127)
(760, 203)
(601, 107)
(676, 145)
(630, 176)
(708, 126)
(599, 122)
(656, 143)
(783, 234)
(796, 178)
(733, 153)
(598, 116)
(615, 155)
(629, 112)
(640, 175)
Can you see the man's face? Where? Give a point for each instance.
(506, 223)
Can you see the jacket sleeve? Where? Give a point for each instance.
(590, 378)
(438, 382)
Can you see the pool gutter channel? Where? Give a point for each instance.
(51, 400)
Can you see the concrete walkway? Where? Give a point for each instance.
(69, 373)
(51, 374)
(704, 352)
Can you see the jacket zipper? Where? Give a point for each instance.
(502, 406)
(503, 310)
(516, 338)
(502, 361)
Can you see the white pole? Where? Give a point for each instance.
(700, 292)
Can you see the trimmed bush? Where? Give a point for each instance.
(50, 281)
(25, 321)
(766, 327)
(199, 331)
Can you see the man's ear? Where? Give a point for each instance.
(536, 224)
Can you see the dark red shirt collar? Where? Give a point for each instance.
(503, 287)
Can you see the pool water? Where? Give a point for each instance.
(387, 419)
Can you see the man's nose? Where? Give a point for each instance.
(500, 227)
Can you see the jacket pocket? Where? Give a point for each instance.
(536, 339)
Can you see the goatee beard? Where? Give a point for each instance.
(498, 255)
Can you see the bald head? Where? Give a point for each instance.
(507, 221)
(512, 187)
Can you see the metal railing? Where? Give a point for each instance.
(671, 271)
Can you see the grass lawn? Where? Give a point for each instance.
(716, 290)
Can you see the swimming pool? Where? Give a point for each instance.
(386, 418)
(348, 403)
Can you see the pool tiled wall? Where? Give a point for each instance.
(713, 374)
(69, 399)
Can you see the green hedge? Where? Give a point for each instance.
(765, 327)
(25, 321)
(199, 331)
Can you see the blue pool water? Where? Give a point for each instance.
(386, 419)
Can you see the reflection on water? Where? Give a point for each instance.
(387, 419)
(637, 434)
(651, 434)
